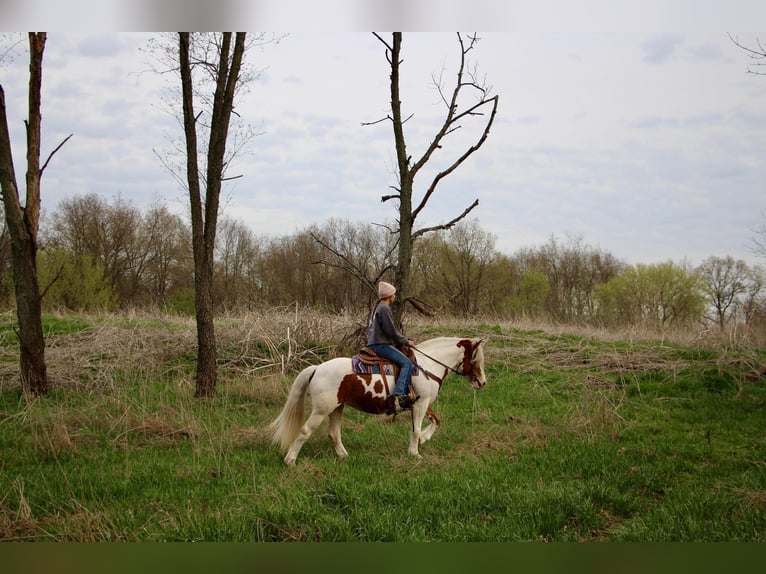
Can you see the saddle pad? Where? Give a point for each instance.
(359, 367)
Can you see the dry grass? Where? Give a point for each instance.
(255, 345)
(272, 342)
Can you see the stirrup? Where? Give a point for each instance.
(405, 402)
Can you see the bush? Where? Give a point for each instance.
(73, 282)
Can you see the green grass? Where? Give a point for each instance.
(52, 326)
(573, 439)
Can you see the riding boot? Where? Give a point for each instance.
(396, 404)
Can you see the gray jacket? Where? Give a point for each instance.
(382, 330)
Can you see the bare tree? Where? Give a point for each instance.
(110, 233)
(23, 225)
(204, 211)
(457, 111)
(169, 253)
(731, 286)
(360, 251)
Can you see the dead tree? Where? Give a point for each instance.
(23, 224)
(484, 108)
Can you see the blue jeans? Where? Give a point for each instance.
(396, 356)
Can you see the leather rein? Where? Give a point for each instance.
(471, 377)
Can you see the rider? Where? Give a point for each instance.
(381, 336)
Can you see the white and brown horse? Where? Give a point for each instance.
(333, 385)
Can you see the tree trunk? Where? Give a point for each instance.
(207, 372)
(22, 225)
(204, 226)
(404, 261)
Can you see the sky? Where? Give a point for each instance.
(633, 127)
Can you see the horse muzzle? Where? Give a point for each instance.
(477, 384)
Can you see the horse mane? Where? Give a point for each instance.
(436, 340)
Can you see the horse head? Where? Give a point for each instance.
(472, 364)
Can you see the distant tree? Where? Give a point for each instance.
(238, 252)
(657, 295)
(574, 270)
(362, 252)
(76, 283)
(532, 293)
(465, 261)
(458, 109)
(754, 302)
(727, 283)
(167, 242)
(501, 282)
(23, 225)
(131, 246)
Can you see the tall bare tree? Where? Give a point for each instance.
(23, 225)
(204, 210)
(484, 106)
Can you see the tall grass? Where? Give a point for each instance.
(577, 437)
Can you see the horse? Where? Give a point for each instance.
(333, 384)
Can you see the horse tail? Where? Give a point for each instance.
(285, 428)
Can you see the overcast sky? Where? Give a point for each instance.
(644, 137)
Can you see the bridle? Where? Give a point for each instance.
(467, 371)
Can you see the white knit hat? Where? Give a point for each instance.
(385, 290)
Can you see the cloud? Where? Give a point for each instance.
(705, 52)
(660, 49)
(103, 46)
(694, 121)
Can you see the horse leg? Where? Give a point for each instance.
(307, 430)
(335, 419)
(429, 431)
(418, 413)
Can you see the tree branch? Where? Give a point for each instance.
(754, 54)
(58, 147)
(442, 174)
(53, 280)
(447, 225)
(386, 44)
(347, 264)
(381, 120)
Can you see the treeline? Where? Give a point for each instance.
(97, 254)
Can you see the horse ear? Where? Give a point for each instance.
(478, 344)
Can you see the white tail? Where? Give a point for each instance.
(285, 428)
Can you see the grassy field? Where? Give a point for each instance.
(577, 437)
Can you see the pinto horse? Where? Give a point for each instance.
(333, 384)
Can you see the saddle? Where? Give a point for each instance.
(369, 362)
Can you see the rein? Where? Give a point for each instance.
(437, 361)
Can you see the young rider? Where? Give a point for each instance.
(382, 337)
